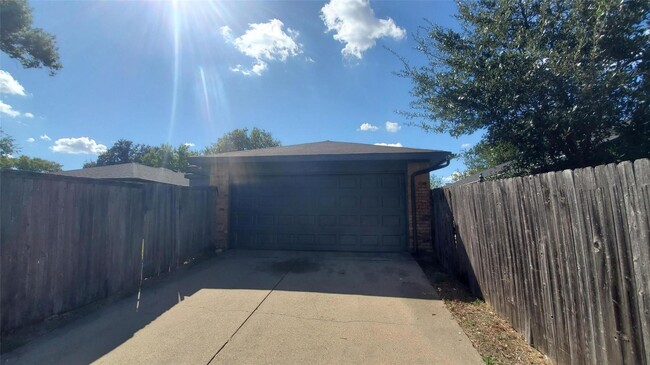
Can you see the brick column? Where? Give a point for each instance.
(422, 208)
(220, 177)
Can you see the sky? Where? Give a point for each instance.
(189, 71)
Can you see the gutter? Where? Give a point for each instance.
(414, 225)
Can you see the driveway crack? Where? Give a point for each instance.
(335, 320)
(249, 316)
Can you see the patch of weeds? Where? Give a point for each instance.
(489, 360)
(478, 301)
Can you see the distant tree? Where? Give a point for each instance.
(168, 157)
(8, 148)
(33, 47)
(436, 182)
(241, 140)
(552, 84)
(35, 164)
(483, 156)
(122, 151)
(125, 151)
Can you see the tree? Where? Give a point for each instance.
(122, 151)
(435, 182)
(33, 47)
(7, 161)
(125, 151)
(35, 164)
(166, 156)
(483, 156)
(7, 149)
(241, 140)
(552, 84)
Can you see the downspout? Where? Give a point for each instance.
(414, 225)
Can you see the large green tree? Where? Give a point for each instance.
(242, 140)
(8, 148)
(553, 84)
(33, 47)
(125, 151)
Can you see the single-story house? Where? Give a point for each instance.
(133, 172)
(327, 195)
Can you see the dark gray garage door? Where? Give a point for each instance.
(321, 212)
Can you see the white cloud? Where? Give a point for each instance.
(451, 178)
(30, 139)
(393, 127)
(465, 146)
(354, 24)
(367, 127)
(257, 69)
(263, 42)
(9, 85)
(189, 144)
(45, 137)
(389, 144)
(226, 32)
(79, 145)
(28, 115)
(8, 110)
(309, 59)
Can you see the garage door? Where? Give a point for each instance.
(321, 212)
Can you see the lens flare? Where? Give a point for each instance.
(176, 45)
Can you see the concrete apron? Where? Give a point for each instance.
(258, 307)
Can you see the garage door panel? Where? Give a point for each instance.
(388, 221)
(370, 202)
(336, 212)
(370, 240)
(349, 220)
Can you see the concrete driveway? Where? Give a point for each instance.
(256, 307)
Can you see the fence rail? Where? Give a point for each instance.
(66, 242)
(564, 256)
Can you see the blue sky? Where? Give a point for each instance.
(189, 71)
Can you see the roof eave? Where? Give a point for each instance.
(411, 156)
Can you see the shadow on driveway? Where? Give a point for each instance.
(332, 303)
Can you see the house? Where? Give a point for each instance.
(134, 172)
(327, 195)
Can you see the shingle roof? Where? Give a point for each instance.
(331, 149)
(131, 171)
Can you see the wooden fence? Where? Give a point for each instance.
(66, 242)
(564, 256)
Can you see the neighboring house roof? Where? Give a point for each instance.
(477, 176)
(131, 171)
(328, 150)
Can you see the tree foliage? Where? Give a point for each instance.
(125, 151)
(241, 140)
(35, 164)
(435, 182)
(552, 84)
(8, 148)
(33, 47)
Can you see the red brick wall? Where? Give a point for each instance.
(422, 208)
(220, 178)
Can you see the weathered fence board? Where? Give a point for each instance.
(66, 242)
(565, 256)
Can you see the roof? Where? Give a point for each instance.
(131, 171)
(477, 176)
(329, 150)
